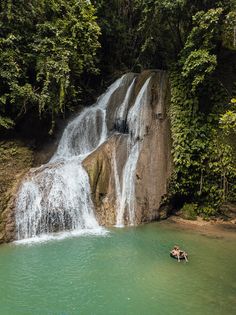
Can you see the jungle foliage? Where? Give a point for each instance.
(152, 33)
(45, 46)
(187, 38)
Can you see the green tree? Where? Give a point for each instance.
(45, 47)
(152, 33)
(228, 119)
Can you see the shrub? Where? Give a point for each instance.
(207, 212)
(189, 211)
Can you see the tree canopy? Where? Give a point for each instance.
(45, 46)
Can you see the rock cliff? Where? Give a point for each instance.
(15, 161)
(153, 167)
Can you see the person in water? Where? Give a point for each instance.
(177, 252)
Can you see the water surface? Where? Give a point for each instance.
(128, 271)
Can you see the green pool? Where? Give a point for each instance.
(127, 271)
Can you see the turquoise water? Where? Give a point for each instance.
(128, 271)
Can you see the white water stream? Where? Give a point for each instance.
(136, 127)
(56, 196)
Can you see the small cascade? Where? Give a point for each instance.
(88, 130)
(122, 110)
(139, 113)
(136, 129)
(56, 199)
(117, 181)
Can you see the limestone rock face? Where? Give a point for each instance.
(154, 164)
(106, 165)
(100, 168)
(15, 160)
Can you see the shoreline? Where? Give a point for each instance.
(218, 228)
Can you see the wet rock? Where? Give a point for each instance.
(15, 160)
(99, 166)
(154, 163)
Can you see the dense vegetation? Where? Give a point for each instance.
(45, 47)
(48, 47)
(188, 38)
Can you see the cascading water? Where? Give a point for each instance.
(122, 110)
(57, 196)
(136, 127)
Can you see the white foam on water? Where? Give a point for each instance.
(43, 238)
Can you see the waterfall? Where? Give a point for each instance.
(136, 127)
(117, 181)
(87, 131)
(57, 196)
(122, 110)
